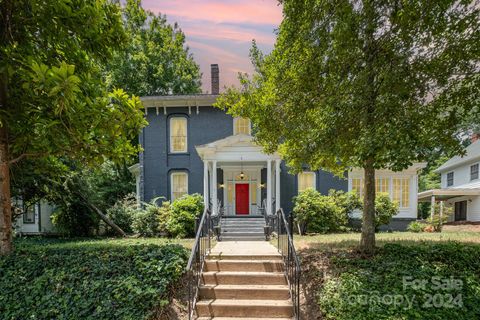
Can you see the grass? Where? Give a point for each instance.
(350, 240)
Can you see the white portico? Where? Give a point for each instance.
(241, 161)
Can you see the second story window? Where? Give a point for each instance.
(178, 134)
(241, 126)
(306, 180)
(474, 172)
(449, 179)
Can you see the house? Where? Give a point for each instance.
(402, 187)
(35, 219)
(190, 146)
(460, 185)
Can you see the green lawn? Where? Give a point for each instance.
(90, 278)
(411, 276)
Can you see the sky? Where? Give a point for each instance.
(221, 31)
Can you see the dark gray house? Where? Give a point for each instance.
(190, 146)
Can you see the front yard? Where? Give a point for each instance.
(412, 276)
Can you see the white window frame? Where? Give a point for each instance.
(171, 135)
(453, 178)
(235, 126)
(176, 173)
(478, 173)
(314, 180)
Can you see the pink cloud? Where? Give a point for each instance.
(254, 12)
(214, 31)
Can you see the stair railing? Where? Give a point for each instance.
(201, 248)
(284, 230)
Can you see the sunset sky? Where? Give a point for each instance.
(221, 31)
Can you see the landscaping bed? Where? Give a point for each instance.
(90, 279)
(408, 278)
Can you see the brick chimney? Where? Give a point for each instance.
(215, 79)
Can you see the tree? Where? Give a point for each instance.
(156, 60)
(53, 99)
(370, 84)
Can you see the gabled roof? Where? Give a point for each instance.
(472, 155)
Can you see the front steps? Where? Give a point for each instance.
(238, 285)
(243, 228)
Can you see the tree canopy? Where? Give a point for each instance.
(156, 60)
(370, 84)
(53, 97)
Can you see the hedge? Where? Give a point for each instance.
(88, 280)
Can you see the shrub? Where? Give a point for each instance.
(316, 213)
(347, 201)
(416, 226)
(436, 221)
(385, 209)
(54, 279)
(147, 222)
(181, 221)
(123, 212)
(74, 219)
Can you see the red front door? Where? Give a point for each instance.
(241, 198)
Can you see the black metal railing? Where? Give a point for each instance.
(200, 250)
(284, 230)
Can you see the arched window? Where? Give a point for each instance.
(178, 134)
(179, 184)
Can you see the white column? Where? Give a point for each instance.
(277, 185)
(432, 209)
(205, 183)
(215, 187)
(269, 187)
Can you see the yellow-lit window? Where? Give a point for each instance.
(179, 182)
(306, 180)
(230, 192)
(357, 186)
(382, 185)
(241, 126)
(401, 191)
(178, 134)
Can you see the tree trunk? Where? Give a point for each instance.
(367, 242)
(5, 200)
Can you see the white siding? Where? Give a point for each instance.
(461, 176)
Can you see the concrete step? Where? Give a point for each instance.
(244, 308)
(248, 238)
(243, 277)
(244, 228)
(243, 233)
(251, 292)
(239, 318)
(244, 265)
(232, 256)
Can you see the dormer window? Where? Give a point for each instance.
(241, 126)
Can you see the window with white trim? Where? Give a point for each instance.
(401, 192)
(474, 172)
(382, 185)
(450, 179)
(241, 126)
(29, 214)
(357, 186)
(179, 184)
(306, 180)
(178, 134)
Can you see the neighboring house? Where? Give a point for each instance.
(460, 185)
(190, 146)
(402, 187)
(35, 219)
